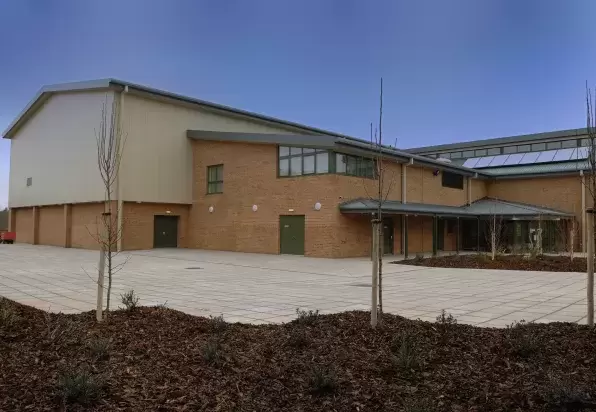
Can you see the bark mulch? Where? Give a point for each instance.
(159, 359)
(543, 263)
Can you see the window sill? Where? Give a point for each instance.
(214, 193)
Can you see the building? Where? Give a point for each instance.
(200, 175)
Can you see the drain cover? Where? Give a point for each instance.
(194, 268)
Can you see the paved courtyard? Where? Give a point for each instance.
(268, 288)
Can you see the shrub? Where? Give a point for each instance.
(79, 387)
(445, 321)
(298, 338)
(99, 348)
(8, 315)
(130, 300)
(419, 257)
(323, 380)
(406, 354)
(522, 341)
(307, 317)
(217, 323)
(212, 352)
(60, 329)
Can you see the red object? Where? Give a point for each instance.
(8, 237)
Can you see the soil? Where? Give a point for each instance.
(164, 360)
(543, 263)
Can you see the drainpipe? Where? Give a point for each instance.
(404, 218)
(583, 216)
(120, 188)
(469, 200)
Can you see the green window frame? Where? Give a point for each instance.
(302, 161)
(354, 166)
(215, 179)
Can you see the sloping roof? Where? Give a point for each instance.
(559, 134)
(538, 169)
(481, 208)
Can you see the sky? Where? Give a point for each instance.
(452, 70)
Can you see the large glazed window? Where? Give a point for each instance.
(215, 179)
(452, 180)
(298, 161)
(354, 165)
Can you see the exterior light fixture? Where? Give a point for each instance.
(210, 209)
(317, 206)
(168, 212)
(255, 208)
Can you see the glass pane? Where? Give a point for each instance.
(295, 150)
(523, 148)
(569, 143)
(529, 158)
(546, 156)
(309, 165)
(480, 152)
(296, 166)
(468, 153)
(219, 173)
(514, 159)
(211, 175)
(585, 142)
(484, 161)
(322, 162)
(499, 160)
(536, 147)
(445, 155)
(340, 163)
(563, 155)
(284, 150)
(553, 145)
(307, 150)
(284, 167)
(219, 187)
(581, 153)
(509, 149)
(493, 151)
(455, 155)
(352, 166)
(471, 162)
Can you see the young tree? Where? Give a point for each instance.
(590, 185)
(494, 235)
(110, 142)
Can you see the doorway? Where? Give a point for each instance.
(165, 231)
(291, 235)
(388, 236)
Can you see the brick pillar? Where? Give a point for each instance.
(12, 220)
(35, 225)
(67, 225)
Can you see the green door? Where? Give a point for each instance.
(165, 231)
(291, 235)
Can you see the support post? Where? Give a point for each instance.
(435, 235)
(35, 212)
(375, 274)
(67, 225)
(405, 230)
(590, 264)
(12, 220)
(457, 236)
(478, 234)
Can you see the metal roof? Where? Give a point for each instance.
(481, 208)
(473, 144)
(539, 169)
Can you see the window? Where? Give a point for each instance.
(29, 181)
(480, 152)
(298, 161)
(509, 149)
(523, 148)
(354, 166)
(215, 179)
(536, 147)
(568, 144)
(468, 153)
(444, 155)
(553, 145)
(493, 151)
(454, 155)
(452, 180)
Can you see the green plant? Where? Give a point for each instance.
(99, 347)
(217, 323)
(406, 354)
(419, 257)
(323, 380)
(307, 317)
(523, 342)
(8, 315)
(445, 321)
(79, 387)
(298, 338)
(61, 329)
(130, 300)
(212, 352)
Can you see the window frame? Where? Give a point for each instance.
(215, 182)
(444, 184)
(312, 151)
(358, 166)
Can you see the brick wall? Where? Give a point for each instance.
(86, 223)
(51, 226)
(137, 223)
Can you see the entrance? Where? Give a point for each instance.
(387, 236)
(291, 235)
(165, 231)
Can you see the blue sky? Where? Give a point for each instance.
(453, 70)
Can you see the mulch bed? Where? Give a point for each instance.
(543, 263)
(164, 360)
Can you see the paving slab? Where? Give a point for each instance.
(257, 288)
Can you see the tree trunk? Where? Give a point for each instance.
(375, 274)
(100, 280)
(590, 271)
